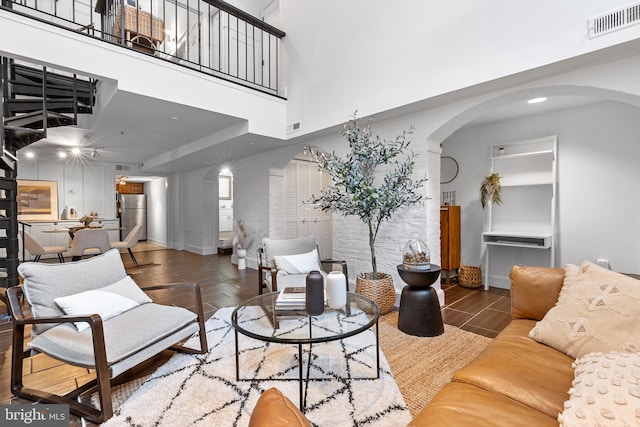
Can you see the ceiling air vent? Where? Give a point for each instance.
(615, 20)
(122, 167)
(293, 127)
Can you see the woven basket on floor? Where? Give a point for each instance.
(381, 290)
(469, 276)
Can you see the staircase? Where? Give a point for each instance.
(33, 100)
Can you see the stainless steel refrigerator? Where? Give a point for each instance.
(133, 210)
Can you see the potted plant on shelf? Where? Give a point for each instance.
(361, 189)
(491, 189)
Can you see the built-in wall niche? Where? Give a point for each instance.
(225, 203)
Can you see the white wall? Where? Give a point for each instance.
(259, 200)
(598, 204)
(156, 191)
(373, 55)
(86, 185)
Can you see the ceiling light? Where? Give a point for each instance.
(30, 154)
(94, 153)
(75, 151)
(537, 100)
(62, 154)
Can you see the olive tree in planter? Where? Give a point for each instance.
(372, 181)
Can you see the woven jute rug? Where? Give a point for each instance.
(421, 365)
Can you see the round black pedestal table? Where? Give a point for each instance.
(420, 313)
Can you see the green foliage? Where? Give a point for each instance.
(491, 189)
(360, 188)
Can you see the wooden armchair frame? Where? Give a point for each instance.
(103, 380)
(265, 269)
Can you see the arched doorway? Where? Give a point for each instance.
(596, 152)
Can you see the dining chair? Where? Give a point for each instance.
(129, 242)
(37, 250)
(89, 241)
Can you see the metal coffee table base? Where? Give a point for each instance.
(302, 381)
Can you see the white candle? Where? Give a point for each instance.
(336, 290)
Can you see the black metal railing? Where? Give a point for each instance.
(208, 35)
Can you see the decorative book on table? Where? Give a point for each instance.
(294, 298)
(291, 298)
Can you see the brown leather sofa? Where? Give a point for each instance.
(514, 382)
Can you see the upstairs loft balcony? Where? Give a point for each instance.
(210, 36)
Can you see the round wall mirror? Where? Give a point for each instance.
(448, 169)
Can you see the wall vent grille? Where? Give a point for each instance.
(122, 167)
(615, 20)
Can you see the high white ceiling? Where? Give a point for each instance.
(522, 108)
(134, 129)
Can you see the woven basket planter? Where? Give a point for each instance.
(469, 276)
(380, 291)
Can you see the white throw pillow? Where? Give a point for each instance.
(107, 302)
(605, 391)
(597, 310)
(297, 264)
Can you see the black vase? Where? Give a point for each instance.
(314, 302)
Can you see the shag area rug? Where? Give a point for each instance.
(201, 390)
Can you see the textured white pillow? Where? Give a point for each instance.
(597, 310)
(605, 391)
(297, 264)
(107, 302)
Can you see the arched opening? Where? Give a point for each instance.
(596, 171)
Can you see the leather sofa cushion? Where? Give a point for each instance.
(534, 290)
(519, 368)
(273, 409)
(464, 405)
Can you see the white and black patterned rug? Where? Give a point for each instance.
(192, 390)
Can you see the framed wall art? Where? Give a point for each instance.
(37, 200)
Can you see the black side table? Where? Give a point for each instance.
(420, 313)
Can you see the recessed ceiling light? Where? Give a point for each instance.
(75, 151)
(30, 154)
(537, 100)
(62, 154)
(174, 118)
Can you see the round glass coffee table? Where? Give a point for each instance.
(260, 318)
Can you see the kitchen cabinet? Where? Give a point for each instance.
(521, 230)
(226, 219)
(131, 188)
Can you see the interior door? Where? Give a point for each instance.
(302, 181)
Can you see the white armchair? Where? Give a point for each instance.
(286, 262)
(91, 314)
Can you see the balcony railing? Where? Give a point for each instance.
(208, 35)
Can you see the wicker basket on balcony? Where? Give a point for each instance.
(138, 23)
(469, 276)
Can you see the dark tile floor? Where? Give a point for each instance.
(223, 285)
